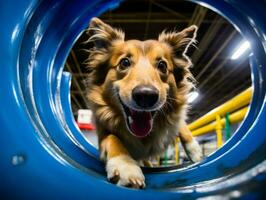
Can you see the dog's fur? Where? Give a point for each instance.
(110, 84)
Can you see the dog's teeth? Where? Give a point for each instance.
(130, 120)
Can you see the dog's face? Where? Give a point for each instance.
(143, 78)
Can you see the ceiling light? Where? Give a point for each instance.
(240, 50)
(192, 96)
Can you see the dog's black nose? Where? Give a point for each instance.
(145, 96)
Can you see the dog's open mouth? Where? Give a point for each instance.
(139, 123)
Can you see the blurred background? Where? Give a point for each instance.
(221, 68)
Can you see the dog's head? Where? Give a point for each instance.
(140, 78)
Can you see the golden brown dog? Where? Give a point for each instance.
(138, 93)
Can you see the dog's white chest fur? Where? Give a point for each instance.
(139, 149)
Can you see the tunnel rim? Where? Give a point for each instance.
(255, 93)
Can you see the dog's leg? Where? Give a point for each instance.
(120, 167)
(189, 143)
(147, 163)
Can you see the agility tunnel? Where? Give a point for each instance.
(43, 155)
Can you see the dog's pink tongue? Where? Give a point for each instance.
(141, 123)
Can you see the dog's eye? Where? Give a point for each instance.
(124, 63)
(162, 66)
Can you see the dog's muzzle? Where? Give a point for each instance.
(145, 96)
(139, 117)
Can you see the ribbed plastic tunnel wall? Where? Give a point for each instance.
(43, 154)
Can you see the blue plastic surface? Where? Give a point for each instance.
(43, 154)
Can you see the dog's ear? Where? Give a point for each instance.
(102, 34)
(180, 41)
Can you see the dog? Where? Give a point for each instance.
(138, 92)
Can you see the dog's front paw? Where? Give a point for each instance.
(124, 171)
(193, 150)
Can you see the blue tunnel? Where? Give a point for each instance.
(43, 154)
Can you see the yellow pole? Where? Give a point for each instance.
(230, 106)
(234, 118)
(177, 151)
(219, 132)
